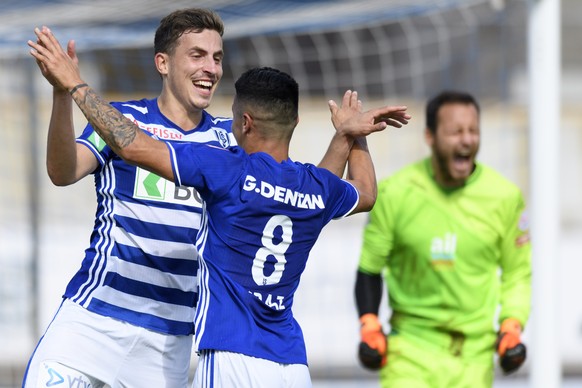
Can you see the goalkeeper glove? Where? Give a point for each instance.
(511, 351)
(372, 350)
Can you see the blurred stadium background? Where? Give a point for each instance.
(393, 52)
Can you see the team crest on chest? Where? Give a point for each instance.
(222, 137)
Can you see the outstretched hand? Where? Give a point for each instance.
(349, 120)
(59, 66)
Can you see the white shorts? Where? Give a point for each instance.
(83, 347)
(220, 369)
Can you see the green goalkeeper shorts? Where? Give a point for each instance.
(412, 364)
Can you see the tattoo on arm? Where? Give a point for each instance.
(116, 129)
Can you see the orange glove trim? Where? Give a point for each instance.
(370, 322)
(509, 335)
(371, 333)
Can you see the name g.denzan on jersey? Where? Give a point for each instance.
(282, 194)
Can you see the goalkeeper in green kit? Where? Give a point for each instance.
(449, 239)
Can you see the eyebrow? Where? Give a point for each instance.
(219, 53)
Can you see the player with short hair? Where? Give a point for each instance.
(439, 235)
(262, 215)
(127, 314)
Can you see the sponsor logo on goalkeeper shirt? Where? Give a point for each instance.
(443, 249)
(523, 226)
(282, 194)
(152, 187)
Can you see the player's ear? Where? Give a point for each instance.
(428, 137)
(247, 122)
(161, 62)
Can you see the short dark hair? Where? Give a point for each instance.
(178, 22)
(443, 98)
(272, 91)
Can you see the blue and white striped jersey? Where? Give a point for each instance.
(141, 265)
(261, 221)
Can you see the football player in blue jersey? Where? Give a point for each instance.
(263, 213)
(127, 315)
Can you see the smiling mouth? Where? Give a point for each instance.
(207, 85)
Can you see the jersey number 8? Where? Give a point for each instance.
(269, 248)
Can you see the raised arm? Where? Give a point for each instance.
(350, 122)
(124, 137)
(362, 175)
(66, 161)
(349, 144)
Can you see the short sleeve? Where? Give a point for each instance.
(208, 168)
(90, 139)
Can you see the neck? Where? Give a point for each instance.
(184, 118)
(276, 149)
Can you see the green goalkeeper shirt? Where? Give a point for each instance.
(450, 258)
